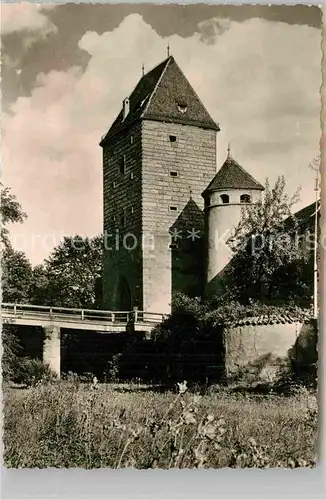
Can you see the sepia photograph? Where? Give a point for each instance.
(160, 235)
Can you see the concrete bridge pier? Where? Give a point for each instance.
(52, 348)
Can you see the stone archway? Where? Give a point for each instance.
(124, 300)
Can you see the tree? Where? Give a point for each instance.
(68, 278)
(39, 286)
(268, 262)
(16, 276)
(15, 280)
(16, 268)
(10, 211)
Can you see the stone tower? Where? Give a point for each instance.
(231, 188)
(158, 156)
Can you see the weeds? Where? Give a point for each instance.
(90, 425)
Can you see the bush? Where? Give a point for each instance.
(34, 371)
(10, 354)
(181, 303)
(113, 369)
(184, 321)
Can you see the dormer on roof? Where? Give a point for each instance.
(164, 94)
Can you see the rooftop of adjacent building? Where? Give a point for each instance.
(164, 94)
(304, 217)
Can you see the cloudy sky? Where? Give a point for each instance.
(66, 69)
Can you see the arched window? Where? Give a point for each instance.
(245, 198)
(225, 198)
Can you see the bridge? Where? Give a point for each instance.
(80, 319)
(52, 319)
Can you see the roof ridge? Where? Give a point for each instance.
(167, 61)
(146, 74)
(103, 138)
(303, 214)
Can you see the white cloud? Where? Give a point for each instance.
(259, 80)
(28, 17)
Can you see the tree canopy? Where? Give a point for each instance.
(16, 268)
(269, 260)
(10, 211)
(70, 275)
(16, 276)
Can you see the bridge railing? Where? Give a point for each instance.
(148, 317)
(74, 314)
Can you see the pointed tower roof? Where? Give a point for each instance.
(164, 94)
(232, 176)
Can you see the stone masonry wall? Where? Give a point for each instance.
(260, 351)
(122, 193)
(192, 156)
(160, 174)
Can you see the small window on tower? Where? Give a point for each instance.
(173, 173)
(245, 198)
(122, 165)
(182, 107)
(114, 184)
(225, 198)
(131, 139)
(173, 138)
(131, 176)
(123, 218)
(173, 208)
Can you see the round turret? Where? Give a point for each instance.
(231, 188)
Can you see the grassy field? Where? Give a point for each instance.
(71, 425)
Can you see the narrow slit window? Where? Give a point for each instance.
(173, 138)
(173, 173)
(131, 139)
(122, 165)
(173, 208)
(123, 218)
(131, 176)
(114, 184)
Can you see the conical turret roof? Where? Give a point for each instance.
(232, 176)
